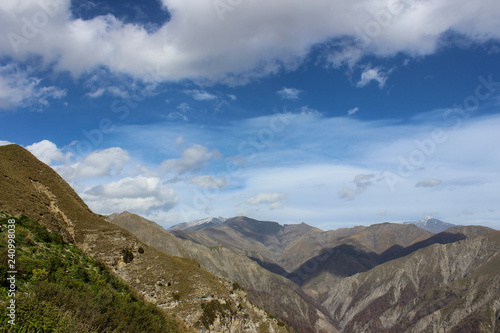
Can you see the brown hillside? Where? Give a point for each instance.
(177, 285)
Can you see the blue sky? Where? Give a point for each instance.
(335, 113)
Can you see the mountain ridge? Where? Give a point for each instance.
(177, 285)
(264, 288)
(433, 225)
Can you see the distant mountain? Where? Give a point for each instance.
(270, 291)
(262, 240)
(203, 301)
(440, 288)
(198, 224)
(385, 277)
(433, 225)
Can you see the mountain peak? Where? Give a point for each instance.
(432, 224)
(199, 224)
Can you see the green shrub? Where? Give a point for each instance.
(61, 289)
(128, 256)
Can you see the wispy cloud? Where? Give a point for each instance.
(352, 111)
(373, 74)
(321, 172)
(200, 95)
(289, 93)
(362, 182)
(274, 199)
(429, 183)
(20, 88)
(210, 182)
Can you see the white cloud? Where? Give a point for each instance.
(373, 74)
(362, 182)
(289, 93)
(347, 193)
(96, 93)
(101, 163)
(253, 39)
(210, 182)
(46, 151)
(352, 111)
(200, 95)
(139, 194)
(183, 107)
(18, 88)
(316, 164)
(193, 159)
(429, 183)
(4, 143)
(307, 111)
(272, 198)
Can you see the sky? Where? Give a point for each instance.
(334, 113)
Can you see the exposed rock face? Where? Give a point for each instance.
(442, 288)
(383, 278)
(175, 284)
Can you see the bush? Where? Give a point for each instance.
(61, 289)
(128, 256)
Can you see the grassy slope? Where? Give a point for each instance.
(61, 289)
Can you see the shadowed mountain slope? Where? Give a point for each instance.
(264, 288)
(441, 288)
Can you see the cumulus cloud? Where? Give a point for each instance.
(373, 74)
(46, 151)
(429, 183)
(4, 143)
(193, 159)
(210, 182)
(139, 194)
(18, 88)
(272, 198)
(107, 162)
(196, 43)
(289, 93)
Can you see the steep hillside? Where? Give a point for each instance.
(449, 288)
(177, 285)
(61, 289)
(265, 289)
(262, 240)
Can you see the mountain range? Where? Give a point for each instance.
(202, 301)
(243, 275)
